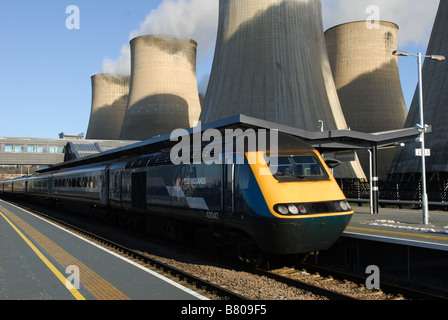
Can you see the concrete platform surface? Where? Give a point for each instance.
(42, 261)
(398, 225)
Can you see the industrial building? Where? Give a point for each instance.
(109, 102)
(163, 90)
(21, 156)
(367, 80)
(271, 63)
(406, 165)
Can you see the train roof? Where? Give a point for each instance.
(326, 141)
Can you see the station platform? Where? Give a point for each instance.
(41, 261)
(404, 250)
(400, 226)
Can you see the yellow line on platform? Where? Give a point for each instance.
(56, 272)
(91, 281)
(398, 233)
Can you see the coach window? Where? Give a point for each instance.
(243, 176)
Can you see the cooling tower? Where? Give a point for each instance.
(109, 102)
(270, 63)
(435, 100)
(163, 92)
(367, 80)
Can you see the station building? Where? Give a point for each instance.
(22, 156)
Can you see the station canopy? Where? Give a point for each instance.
(323, 141)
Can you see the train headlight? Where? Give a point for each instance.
(344, 205)
(340, 206)
(293, 209)
(296, 209)
(283, 209)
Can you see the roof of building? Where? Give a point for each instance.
(81, 149)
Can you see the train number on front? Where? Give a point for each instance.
(212, 215)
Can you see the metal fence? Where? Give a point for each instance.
(403, 191)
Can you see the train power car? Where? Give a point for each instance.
(285, 203)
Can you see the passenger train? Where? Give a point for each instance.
(297, 207)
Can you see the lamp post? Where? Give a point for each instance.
(421, 126)
(321, 125)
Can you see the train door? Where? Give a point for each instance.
(104, 193)
(138, 191)
(116, 188)
(50, 184)
(228, 199)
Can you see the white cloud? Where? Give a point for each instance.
(121, 66)
(415, 18)
(194, 19)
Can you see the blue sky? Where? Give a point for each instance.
(45, 68)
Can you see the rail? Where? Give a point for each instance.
(302, 285)
(394, 289)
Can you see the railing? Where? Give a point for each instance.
(399, 193)
(10, 176)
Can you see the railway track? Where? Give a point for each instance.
(289, 277)
(328, 286)
(338, 285)
(396, 291)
